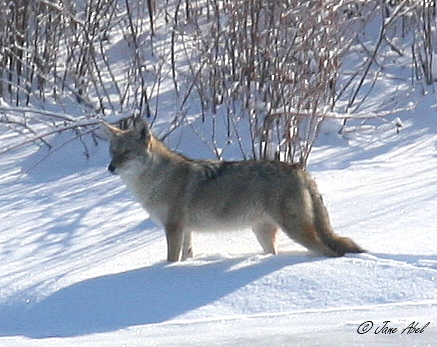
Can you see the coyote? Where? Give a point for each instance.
(187, 195)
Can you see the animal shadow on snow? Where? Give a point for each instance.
(144, 296)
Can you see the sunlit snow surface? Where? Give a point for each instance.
(80, 263)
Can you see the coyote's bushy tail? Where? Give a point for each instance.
(340, 245)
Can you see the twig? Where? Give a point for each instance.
(42, 112)
(49, 133)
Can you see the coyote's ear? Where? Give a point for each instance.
(109, 130)
(141, 129)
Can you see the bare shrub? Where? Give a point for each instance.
(270, 69)
(59, 60)
(276, 63)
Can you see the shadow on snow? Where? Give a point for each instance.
(149, 295)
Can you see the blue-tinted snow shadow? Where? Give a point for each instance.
(149, 295)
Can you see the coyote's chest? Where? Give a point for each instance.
(150, 195)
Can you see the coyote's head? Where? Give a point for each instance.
(128, 148)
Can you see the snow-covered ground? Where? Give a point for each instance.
(80, 263)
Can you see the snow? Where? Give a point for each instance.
(80, 263)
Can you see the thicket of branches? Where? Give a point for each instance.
(271, 68)
(275, 65)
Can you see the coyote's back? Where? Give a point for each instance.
(187, 195)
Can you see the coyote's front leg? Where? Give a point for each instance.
(187, 248)
(175, 239)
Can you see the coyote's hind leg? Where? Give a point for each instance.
(266, 235)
